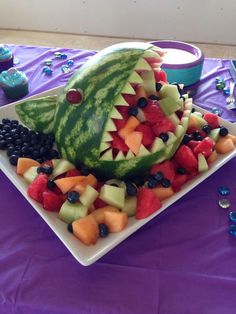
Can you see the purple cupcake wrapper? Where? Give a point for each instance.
(6, 64)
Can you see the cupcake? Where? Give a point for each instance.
(14, 83)
(6, 58)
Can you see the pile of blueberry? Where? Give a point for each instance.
(19, 141)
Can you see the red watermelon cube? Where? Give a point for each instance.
(52, 201)
(164, 126)
(148, 134)
(212, 119)
(167, 168)
(147, 203)
(205, 147)
(37, 187)
(186, 158)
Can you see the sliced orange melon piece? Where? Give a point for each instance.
(129, 127)
(99, 213)
(115, 221)
(80, 188)
(23, 164)
(91, 180)
(224, 145)
(163, 193)
(140, 93)
(232, 137)
(134, 141)
(86, 230)
(66, 184)
(213, 156)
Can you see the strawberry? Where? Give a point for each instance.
(147, 203)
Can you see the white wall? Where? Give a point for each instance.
(212, 21)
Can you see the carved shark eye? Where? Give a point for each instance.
(74, 96)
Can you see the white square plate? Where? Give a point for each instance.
(88, 255)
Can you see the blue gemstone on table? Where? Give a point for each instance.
(47, 70)
(57, 54)
(63, 56)
(224, 203)
(216, 110)
(70, 63)
(65, 69)
(219, 79)
(232, 216)
(220, 85)
(232, 230)
(16, 61)
(48, 62)
(224, 190)
(226, 91)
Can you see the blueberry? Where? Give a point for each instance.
(152, 183)
(164, 137)
(103, 230)
(51, 184)
(153, 97)
(7, 127)
(40, 169)
(165, 183)
(6, 121)
(73, 196)
(158, 87)
(69, 227)
(187, 138)
(131, 189)
(197, 136)
(206, 128)
(3, 144)
(47, 170)
(158, 176)
(53, 154)
(10, 150)
(133, 111)
(13, 160)
(223, 131)
(181, 170)
(142, 102)
(138, 181)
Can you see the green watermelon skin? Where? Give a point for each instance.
(79, 128)
(38, 114)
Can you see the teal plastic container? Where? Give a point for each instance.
(187, 73)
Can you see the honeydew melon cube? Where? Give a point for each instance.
(157, 145)
(61, 167)
(130, 205)
(179, 131)
(30, 174)
(174, 119)
(200, 121)
(184, 122)
(172, 138)
(149, 82)
(112, 195)
(169, 105)
(169, 90)
(70, 212)
(214, 134)
(202, 163)
(89, 196)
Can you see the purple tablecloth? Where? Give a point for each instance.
(182, 262)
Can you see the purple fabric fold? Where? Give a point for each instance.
(181, 262)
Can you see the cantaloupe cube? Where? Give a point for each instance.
(134, 141)
(23, 164)
(213, 156)
(99, 213)
(86, 230)
(232, 137)
(224, 145)
(115, 221)
(67, 183)
(91, 180)
(129, 127)
(163, 193)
